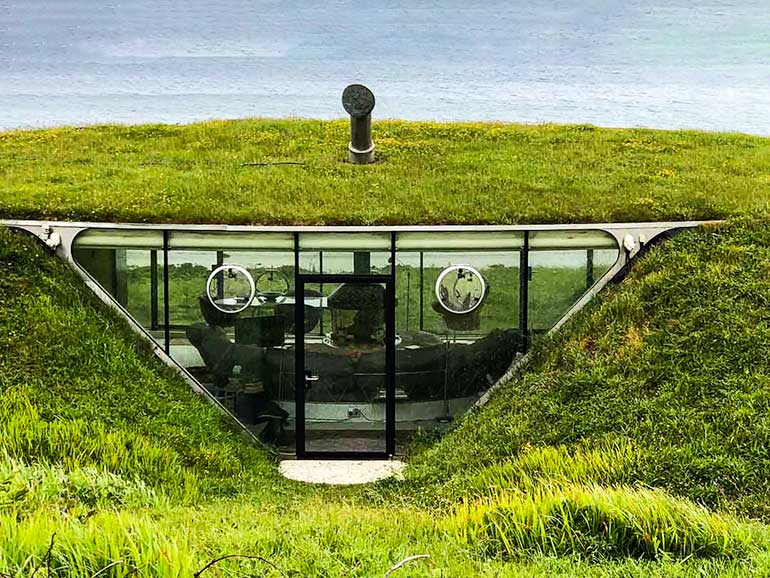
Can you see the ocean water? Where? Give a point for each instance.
(655, 63)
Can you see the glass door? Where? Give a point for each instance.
(346, 392)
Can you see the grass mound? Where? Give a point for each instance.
(599, 523)
(80, 389)
(231, 172)
(603, 463)
(77, 443)
(25, 489)
(662, 383)
(672, 362)
(557, 501)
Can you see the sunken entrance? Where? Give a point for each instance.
(344, 341)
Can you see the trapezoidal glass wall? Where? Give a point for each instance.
(345, 343)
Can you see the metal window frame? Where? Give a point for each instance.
(389, 281)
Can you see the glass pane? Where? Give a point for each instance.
(345, 253)
(334, 241)
(419, 273)
(133, 277)
(119, 239)
(553, 240)
(231, 317)
(459, 241)
(447, 358)
(218, 240)
(559, 277)
(341, 262)
(143, 288)
(345, 388)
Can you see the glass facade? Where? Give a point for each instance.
(389, 332)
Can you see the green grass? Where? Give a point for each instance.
(309, 538)
(427, 173)
(78, 389)
(598, 523)
(672, 363)
(109, 454)
(634, 443)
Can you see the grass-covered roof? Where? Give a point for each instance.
(634, 443)
(295, 172)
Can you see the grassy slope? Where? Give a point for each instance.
(429, 173)
(107, 450)
(76, 390)
(672, 362)
(65, 360)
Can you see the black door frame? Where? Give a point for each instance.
(300, 279)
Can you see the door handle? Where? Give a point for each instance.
(309, 379)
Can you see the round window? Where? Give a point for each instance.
(230, 288)
(272, 284)
(460, 289)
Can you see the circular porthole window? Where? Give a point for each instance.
(271, 285)
(460, 289)
(230, 288)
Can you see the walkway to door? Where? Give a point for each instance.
(341, 472)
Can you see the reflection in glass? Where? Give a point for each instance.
(230, 288)
(460, 289)
(230, 338)
(499, 309)
(345, 400)
(232, 303)
(447, 357)
(559, 278)
(133, 277)
(348, 262)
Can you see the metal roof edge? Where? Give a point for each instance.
(354, 228)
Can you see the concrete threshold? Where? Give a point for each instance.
(341, 472)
